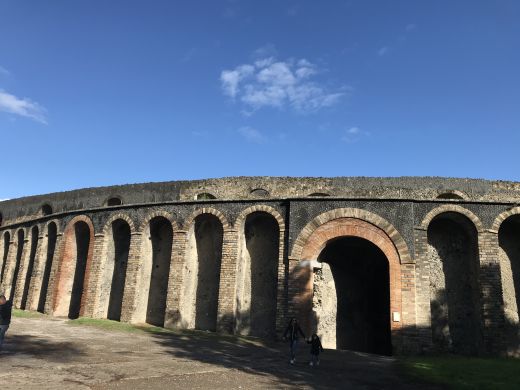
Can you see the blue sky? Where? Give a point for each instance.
(99, 93)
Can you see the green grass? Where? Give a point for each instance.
(26, 314)
(465, 372)
(109, 325)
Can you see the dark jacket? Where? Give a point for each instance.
(315, 346)
(5, 313)
(292, 332)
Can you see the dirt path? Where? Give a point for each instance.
(48, 353)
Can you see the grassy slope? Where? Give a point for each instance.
(465, 372)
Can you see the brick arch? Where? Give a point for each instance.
(207, 210)
(63, 268)
(259, 208)
(115, 217)
(503, 216)
(155, 214)
(453, 208)
(45, 227)
(371, 218)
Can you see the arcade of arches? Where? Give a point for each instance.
(348, 276)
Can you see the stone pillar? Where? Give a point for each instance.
(227, 287)
(37, 274)
(172, 318)
(92, 290)
(22, 273)
(422, 299)
(10, 264)
(133, 278)
(281, 294)
(492, 315)
(51, 293)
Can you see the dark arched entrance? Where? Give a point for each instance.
(361, 294)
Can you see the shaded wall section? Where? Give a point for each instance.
(454, 288)
(49, 257)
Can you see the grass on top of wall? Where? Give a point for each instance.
(110, 325)
(459, 372)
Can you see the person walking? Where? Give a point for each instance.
(5, 317)
(316, 348)
(291, 334)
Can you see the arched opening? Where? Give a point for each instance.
(7, 243)
(71, 278)
(19, 252)
(115, 201)
(258, 275)
(161, 236)
(449, 195)
(205, 196)
(46, 209)
(509, 256)
(352, 296)
(454, 288)
(30, 266)
(1, 219)
(202, 273)
(260, 193)
(51, 246)
(115, 268)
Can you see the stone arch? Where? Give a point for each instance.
(202, 269)
(5, 244)
(260, 207)
(374, 219)
(50, 234)
(158, 213)
(503, 216)
(364, 226)
(455, 209)
(19, 239)
(207, 210)
(71, 287)
(112, 266)
(260, 268)
(31, 262)
(452, 195)
(453, 263)
(156, 246)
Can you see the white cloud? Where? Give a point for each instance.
(353, 134)
(23, 107)
(410, 27)
(252, 135)
(381, 52)
(272, 83)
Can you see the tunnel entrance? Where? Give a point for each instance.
(352, 292)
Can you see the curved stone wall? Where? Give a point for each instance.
(246, 254)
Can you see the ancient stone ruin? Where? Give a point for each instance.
(379, 265)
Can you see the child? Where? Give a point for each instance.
(316, 348)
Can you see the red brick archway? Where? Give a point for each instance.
(302, 276)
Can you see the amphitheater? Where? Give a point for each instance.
(380, 265)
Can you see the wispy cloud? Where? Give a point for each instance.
(4, 71)
(22, 107)
(410, 27)
(252, 135)
(382, 51)
(353, 134)
(269, 82)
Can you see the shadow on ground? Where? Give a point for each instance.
(337, 369)
(59, 352)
